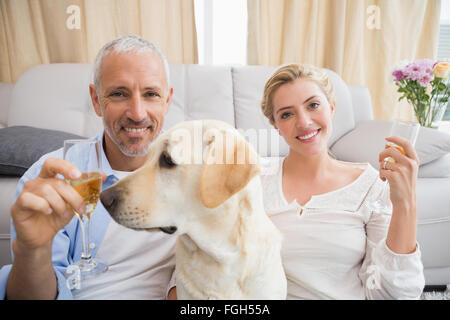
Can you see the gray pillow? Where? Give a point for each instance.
(21, 146)
(366, 141)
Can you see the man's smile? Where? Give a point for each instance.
(137, 132)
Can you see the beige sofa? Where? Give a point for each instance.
(56, 97)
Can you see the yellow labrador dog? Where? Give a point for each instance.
(201, 183)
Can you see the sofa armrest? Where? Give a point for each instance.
(362, 103)
(8, 187)
(5, 98)
(433, 232)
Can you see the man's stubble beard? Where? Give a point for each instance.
(129, 152)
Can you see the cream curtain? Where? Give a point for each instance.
(50, 31)
(361, 40)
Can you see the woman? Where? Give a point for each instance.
(334, 247)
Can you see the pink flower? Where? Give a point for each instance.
(398, 74)
(416, 83)
(425, 80)
(420, 71)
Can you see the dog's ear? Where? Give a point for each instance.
(224, 175)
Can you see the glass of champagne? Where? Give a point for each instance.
(405, 129)
(86, 156)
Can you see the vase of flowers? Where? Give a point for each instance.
(425, 85)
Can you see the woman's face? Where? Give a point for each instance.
(303, 116)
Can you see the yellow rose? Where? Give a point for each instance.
(441, 69)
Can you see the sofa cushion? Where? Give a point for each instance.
(439, 168)
(362, 103)
(366, 141)
(5, 94)
(200, 92)
(56, 97)
(21, 146)
(248, 87)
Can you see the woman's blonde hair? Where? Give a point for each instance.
(289, 73)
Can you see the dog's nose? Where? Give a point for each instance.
(109, 199)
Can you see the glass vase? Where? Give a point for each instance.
(430, 115)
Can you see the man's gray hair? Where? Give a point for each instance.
(128, 43)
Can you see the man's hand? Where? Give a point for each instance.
(45, 205)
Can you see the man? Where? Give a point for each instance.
(132, 94)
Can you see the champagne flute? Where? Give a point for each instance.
(404, 129)
(86, 156)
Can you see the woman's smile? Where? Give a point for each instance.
(308, 137)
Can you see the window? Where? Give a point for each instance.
(444, 42)
(444, 31)
(221, 31)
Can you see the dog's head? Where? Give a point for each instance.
(191, 170)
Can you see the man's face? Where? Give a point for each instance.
(133, 99)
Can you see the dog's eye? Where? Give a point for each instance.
(165, 161)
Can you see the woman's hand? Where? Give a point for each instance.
(402, 174)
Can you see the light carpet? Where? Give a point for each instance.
(436, 295)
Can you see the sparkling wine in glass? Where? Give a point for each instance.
(88, 187)
(400, 128)
(86, 156)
